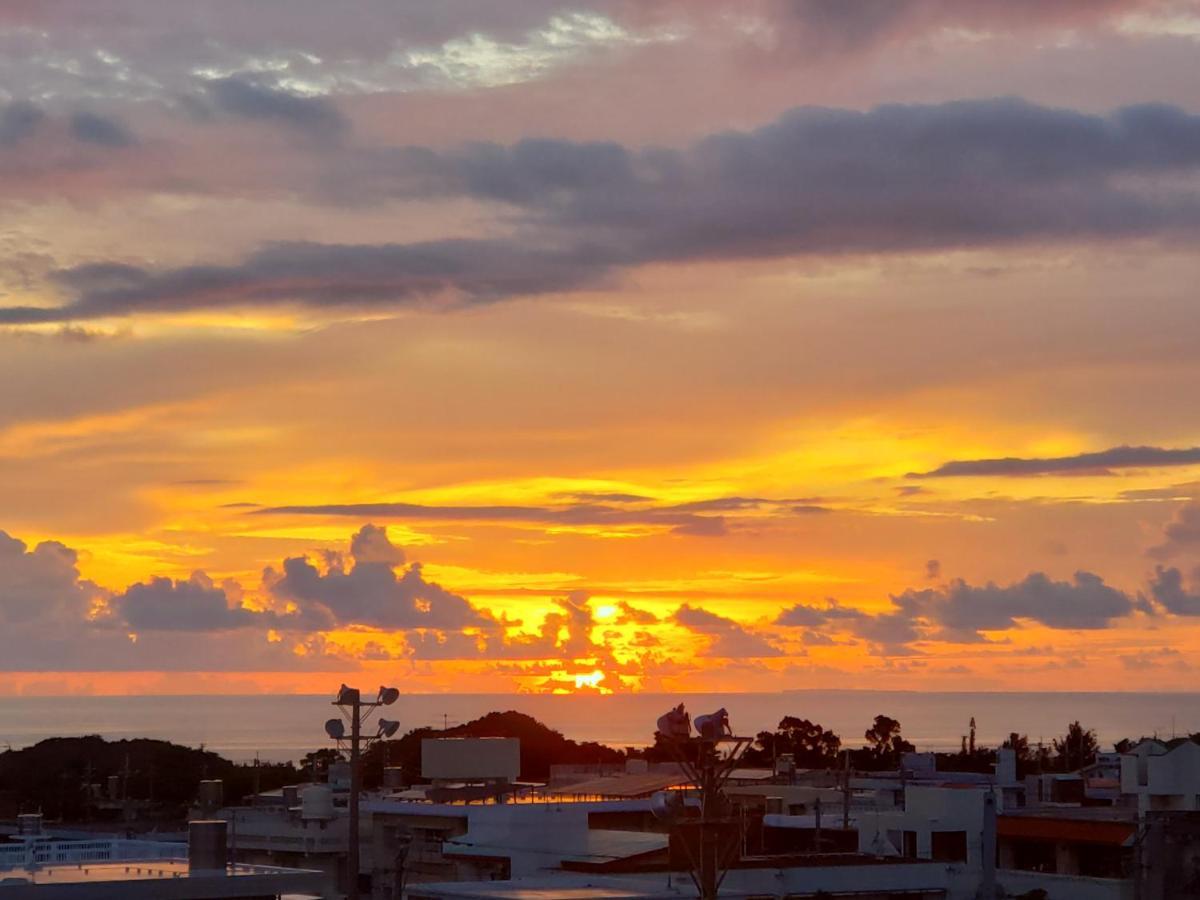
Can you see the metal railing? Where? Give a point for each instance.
(44, 853)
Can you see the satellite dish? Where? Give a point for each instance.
(388, 727)
(388, 695)
(675, 724)
(336, 729)
(713, 726)
(347, 696)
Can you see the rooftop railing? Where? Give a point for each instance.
(25, 854)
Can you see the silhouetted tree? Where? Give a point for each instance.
(1029, 758)
(317, 763)
(54, 776)
(1077, 748)
(812, 746)
(885, 744)
(1019, 743)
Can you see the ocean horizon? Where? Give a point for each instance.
(285, 727)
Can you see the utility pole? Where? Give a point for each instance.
(355, 787)
(708, 773)
(349, 701)
(710, 812)
(846, 793)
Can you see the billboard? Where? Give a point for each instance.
(471, 759)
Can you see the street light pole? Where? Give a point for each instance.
(349, 701)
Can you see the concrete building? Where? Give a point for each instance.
(88, 870)
(447, 842)
(305, 829)
(1162, 776)
(154, 880)
(1084, 852)
(850, 877)
(475, 831)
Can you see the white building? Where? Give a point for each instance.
(1162, 776)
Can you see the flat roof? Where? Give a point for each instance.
(608, 845)
(490, 890)
(154, 879)
(751, 775)
(623, 786)
(555, 887)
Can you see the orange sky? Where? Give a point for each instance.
(649, 346)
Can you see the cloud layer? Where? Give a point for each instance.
(815, 181)
(1100, 462)
(960, 612)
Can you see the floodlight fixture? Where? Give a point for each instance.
(388, 695)
(667, 806)
(356, 711)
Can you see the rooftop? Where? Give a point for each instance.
(556, 887)
(621, 786)
(157, 879)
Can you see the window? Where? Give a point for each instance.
(1034, 856)
(950, 846)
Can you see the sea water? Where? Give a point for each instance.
(279, 728)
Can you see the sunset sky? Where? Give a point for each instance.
(612, 345)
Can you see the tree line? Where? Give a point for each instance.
(812, 746)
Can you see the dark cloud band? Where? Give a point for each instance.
(1098, 462)
(815, 181)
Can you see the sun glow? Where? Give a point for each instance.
(589, 680)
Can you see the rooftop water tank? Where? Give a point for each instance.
(291, 795)
(339, 776)
(29, 824)
(206, 845)
(316, 803)
(211, 793)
